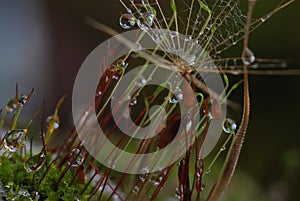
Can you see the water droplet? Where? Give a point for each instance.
(34, 163)
(136, 190)
(144, 174)
(121, 63)
(11, 105)
(137, 47)
(141, 81)
(15, 139)
(177, 97)
(146, 20)
(199, 167)
(248, 57)
(52, 123)
(112, 164)
(229, 126)
(133, 102)
(156, 178)
(178, 193)
(22, 100)
(127, 21)
(75, 158)
(200, 186)
(223, 149)
(35, 195)
(99, 93)
(208, 171)
(264, 18)
(173, 34)
(188, 38)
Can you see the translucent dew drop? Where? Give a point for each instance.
(15, 139)
(156, 178)
(75, 158)
(229, 126)
(144, 173)
(141, 81)
(11, 105)
(177, 97)
(121, 63)
(248, 57)
(136, 190)
(22, 100)
(127, 21)
(133, 102)
(208, 171)
(177, 193)
(52, 123)
(34, 163)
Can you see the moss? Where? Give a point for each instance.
(21, 185)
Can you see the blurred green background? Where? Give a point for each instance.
(43, 43)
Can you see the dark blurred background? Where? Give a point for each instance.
(43, 43)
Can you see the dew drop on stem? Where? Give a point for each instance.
(146, 20)
(22, 100)
(34, 163)
(133, 102)
(11, 105)
(75, 158)
(127, 21)
(248, 57)
(15, 139)
(144, 173)
(52, 123)
(229, 126)
(136, 190)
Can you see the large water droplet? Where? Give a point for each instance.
(22, 100)
(52, 123)
(34, 163)
(229, 126)
(14, 139)
(11, 105)
(248, 57)
(146, 20)
(127, 21)
(75, 158)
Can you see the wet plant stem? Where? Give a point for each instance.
(238, 140)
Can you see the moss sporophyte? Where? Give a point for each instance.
(190, 38)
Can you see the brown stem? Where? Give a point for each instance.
(234, 152)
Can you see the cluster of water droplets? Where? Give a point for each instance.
(198, 176)
(143, 16)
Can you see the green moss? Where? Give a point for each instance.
(17, 181)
